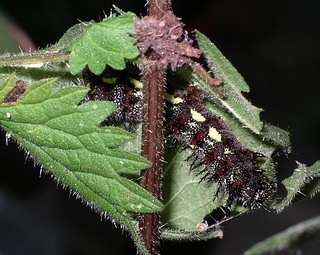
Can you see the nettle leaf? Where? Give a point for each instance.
(301, 176)
(104, 43)
(290, 238)
(276, 136)
(234, 84)
(72, 34)
(65, 138)
(187, 201)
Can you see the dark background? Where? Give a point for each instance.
(274, 44)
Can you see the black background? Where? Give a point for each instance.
(274, 45)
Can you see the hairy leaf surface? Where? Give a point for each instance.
(66, 139)
(233, 85)
(104, 43)
(186, 200)
(301, 176)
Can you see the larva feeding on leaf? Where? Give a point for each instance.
(236, 169)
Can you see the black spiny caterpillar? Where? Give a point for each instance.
(234, 168)
(125, 92)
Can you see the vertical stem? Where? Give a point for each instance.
(152, 149)
(158, 7)
(152, 133)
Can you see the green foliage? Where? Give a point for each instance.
(191, 236)
(290, 238)
(276, 136)
(301, 176)
(104, 43)
(66, 139)
(186, 200)
(233, 85)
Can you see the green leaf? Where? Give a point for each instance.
(191, 236)
(69, 37)
(312, 188)
(186, 200)
(65, 138)
(290, 238)
(301, 176)
(5, 87)
(277, 136)
(104, 43)
(234, 84)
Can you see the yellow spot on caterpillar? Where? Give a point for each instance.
(214, 134)
(173, 100)
(110, 80)
(137, 84)
(197, 116)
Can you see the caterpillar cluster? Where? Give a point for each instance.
(234, 168)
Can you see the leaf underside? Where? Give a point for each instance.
(186, 200)
(66, 139)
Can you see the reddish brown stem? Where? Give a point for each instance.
(158, 7)
(152, 148)
(152, 133)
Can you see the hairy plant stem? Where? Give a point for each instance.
(152, 149)
(33, 59)
(158, 7)
(152, 133)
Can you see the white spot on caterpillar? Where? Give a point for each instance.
(227, 151)
(207, 141)
(197, 116)
(193, 125)
(138, 93)
(8, 114)
(214, 134)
